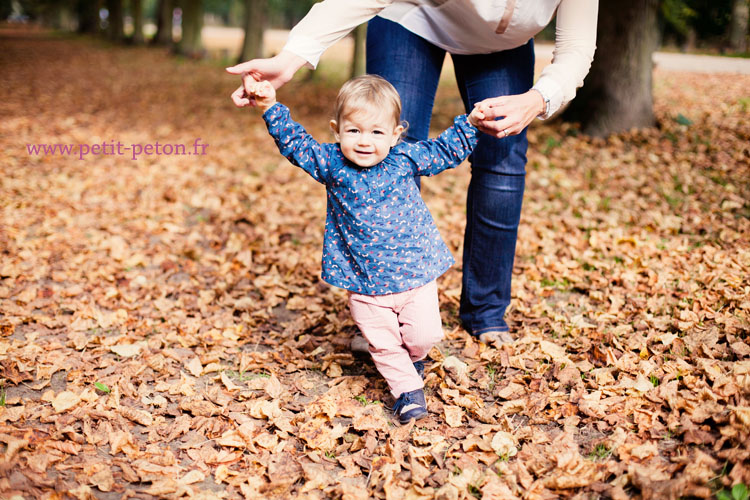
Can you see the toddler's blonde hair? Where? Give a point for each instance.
(367, 93)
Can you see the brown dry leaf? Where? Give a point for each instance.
(230, 386)
(194, 366)
(128, 350)
(138, 416)
(264, 409)
(13, 446)
(123, 441)
(316, 477)
(318, 435)
(81, 492)
(505, 444)
(65, 401)
(199, 407)
(267, 440)
(103, 479)
(68, 447)
(645, 450)
(453, 415)
(231, 438)
(192, 477)
(273, 387)
(370, 418)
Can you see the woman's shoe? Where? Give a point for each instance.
(410, 405)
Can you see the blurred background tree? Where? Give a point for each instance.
(617, 92)
(255, 23)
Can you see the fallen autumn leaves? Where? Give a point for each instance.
(164, 332)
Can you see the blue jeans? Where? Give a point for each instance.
(498, 166)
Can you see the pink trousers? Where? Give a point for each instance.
(401, 328)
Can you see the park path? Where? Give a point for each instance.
(218, 38)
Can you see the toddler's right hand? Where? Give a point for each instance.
(262, 93)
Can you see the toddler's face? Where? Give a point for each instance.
(366, 137)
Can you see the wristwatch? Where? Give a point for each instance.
(546, 102)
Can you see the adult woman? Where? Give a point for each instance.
(493, 54)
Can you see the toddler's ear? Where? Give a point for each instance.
(397, 134)
(334, 128)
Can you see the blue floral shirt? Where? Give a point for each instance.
(379, 235)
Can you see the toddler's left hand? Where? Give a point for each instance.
(477, 115)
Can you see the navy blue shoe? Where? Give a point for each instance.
(410, 405)
(419, 365)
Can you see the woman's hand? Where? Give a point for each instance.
(515, 113)
(278, 70)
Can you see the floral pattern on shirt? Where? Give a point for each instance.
(379, 235)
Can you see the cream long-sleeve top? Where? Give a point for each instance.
(468, 27)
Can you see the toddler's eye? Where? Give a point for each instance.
(378, 132)
(352, 131)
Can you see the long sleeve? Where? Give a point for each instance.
(446, 151)
(575, 43)
(328, 22)
(296, 144)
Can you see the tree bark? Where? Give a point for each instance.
(164, 23)
(136, 8)
(255, 23)
(739, 25)
(192, 22)
(115, 30)
(617, 93)
(359, 57)
(88, 16)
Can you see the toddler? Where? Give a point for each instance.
(380, 243)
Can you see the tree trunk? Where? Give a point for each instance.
(358, 58)
(255, 23)
(136, 8)
(88, 16)
(192, 22)
(616, 94)
(739, 25)
(163, 23)
(115, 31)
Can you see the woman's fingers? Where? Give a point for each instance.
(494, 107)
(509, 115)
(499, 128)
(245, 67)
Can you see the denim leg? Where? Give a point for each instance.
(496, 190)
(412, 65)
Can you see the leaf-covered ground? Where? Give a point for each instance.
(164, 332)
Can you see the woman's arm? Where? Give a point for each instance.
(575, 42)
(325, 24)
